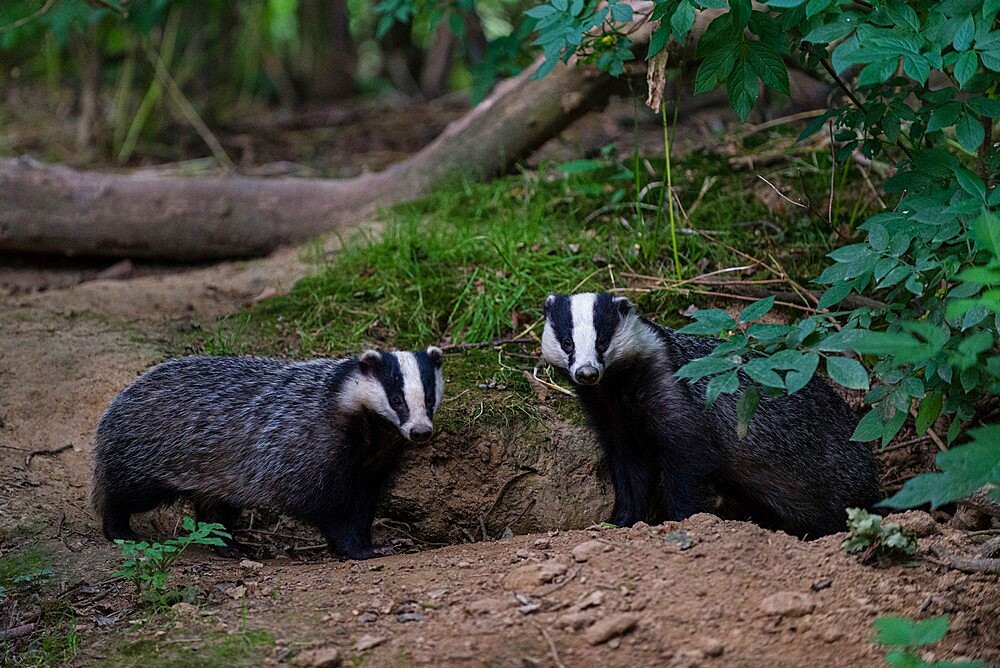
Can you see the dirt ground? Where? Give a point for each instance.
(702, 592)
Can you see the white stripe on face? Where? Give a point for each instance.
(584, 336)
(362, 391)
(413, 391)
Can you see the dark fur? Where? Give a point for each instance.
(796, 469)
(233, 431)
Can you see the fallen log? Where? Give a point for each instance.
(58, 210)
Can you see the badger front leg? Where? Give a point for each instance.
(349, 533)
(633, 478)
(686, 476)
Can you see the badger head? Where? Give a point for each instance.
(404, 388)
(587, 333)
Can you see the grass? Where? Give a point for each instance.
(474, 262)
(245, 648)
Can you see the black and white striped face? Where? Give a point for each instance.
(586, 333)
(404, 388)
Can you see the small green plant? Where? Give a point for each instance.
(147, 564)
(884, 543)
(23, 571)
(907, 636)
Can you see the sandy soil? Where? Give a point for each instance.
(704, 592)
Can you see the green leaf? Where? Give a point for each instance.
(902, 632)
(769, 66)
(682, 20)
(964, 469)
(969, 132)
(580, 166)
(740, 10)
(705, 366)
(965, 67)
(743, 88)
(964, 33)
(869, 428)
(658, 40)
(834, 295)
(799, 377)
(762, 371)
(727, 383)
(757, 310)
(709, 321)
(988, 233)
(971, 183)
(930, 408)
(745, 409)
(847, 372)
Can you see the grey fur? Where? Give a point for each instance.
(317, 439)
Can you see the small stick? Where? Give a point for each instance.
(44, 453)
(781, 194)
(966, 564)
(552, 647)
(483, 344)
(18, 631)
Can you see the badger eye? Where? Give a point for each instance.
(397, 402)
(567, 344)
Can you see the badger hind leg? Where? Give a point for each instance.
(215, 511)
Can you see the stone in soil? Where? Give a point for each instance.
(324, 657)
(534, 575)
(787, 604)
(605, 629)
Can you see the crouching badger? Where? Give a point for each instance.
(796, 469)
(318, 439)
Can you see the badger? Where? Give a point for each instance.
(318, 439)
(796, 469)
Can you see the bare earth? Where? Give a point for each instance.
(702, 592)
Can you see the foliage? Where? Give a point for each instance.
(882, 542)
(147, 565)
(963, 471)
(932, 261)
(908, 636)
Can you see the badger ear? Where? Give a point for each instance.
(370, 361)
(434, 354)
(549, 301)
(624, 305)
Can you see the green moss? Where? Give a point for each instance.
(246, 648)
(24, 568)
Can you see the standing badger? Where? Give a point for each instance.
(318, 439)
(796, 469)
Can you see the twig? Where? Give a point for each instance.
(483, 344)
(186, 109)
(18, 631)
(45, 453)
(967, 564)
(552, 647)
(781, 194)
(569, 578)
(27, 19)
(11, 447)
(784, 120)
(552, 386)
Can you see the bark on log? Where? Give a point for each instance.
(55, 209)
(58, 210)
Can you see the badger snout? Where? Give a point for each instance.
(420, 433)
(587, 375)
